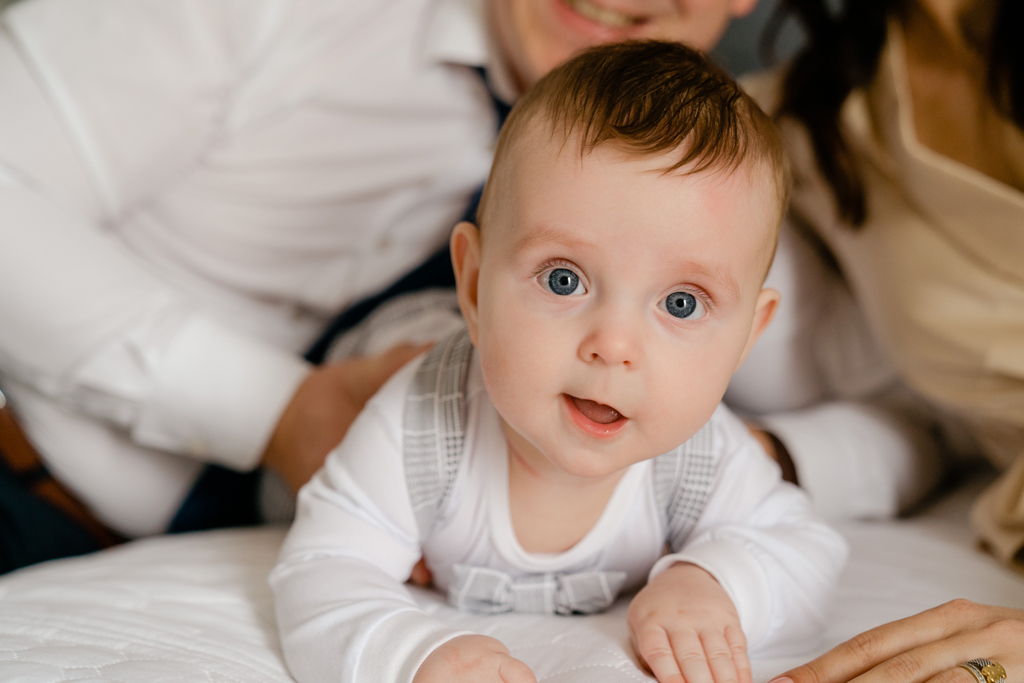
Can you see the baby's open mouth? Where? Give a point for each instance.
(597, 412)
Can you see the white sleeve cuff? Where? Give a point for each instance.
(858, 461)
(217, 394)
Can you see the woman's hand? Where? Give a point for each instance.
(925, 647)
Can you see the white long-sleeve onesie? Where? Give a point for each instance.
(344, 615)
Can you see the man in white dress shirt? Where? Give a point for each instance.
(191, 189)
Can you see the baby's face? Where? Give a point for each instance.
(613, 302)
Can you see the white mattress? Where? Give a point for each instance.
(197, 607)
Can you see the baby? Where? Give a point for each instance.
(569, 445)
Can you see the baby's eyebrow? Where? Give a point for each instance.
(715, 273)
(543, 235)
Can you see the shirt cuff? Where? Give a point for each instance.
(217, 395)
(814, 457)
(858, 461)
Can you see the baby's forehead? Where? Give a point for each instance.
(531, 167)
(539, 152)
(549, 172)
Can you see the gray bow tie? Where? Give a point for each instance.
(489, 591)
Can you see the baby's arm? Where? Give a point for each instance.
(768, 566)
(343, 612)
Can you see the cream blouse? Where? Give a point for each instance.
(938, 268)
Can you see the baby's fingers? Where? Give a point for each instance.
(727, 656)
(514, 671)
(738, 646)
(673, 659)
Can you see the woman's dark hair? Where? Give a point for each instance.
(841, 55)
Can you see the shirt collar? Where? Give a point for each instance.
(461, 32)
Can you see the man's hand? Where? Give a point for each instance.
(685, 628)
(473, 659)
(323, 408)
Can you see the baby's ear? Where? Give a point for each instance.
(465, 248)
(764, 310)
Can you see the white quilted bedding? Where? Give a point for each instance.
(197, 607)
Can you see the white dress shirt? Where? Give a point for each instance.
(911, 319)
(189, 189)
(338, 585)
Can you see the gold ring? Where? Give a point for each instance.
(985, 670)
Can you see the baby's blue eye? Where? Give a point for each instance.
(684, 305)
(563, 281)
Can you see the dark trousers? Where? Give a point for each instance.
(32, 530)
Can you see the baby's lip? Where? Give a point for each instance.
(595, 411)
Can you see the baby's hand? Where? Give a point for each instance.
(468, 659)
(685, 628)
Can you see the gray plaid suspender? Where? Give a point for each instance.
(683, 479)
(434, 427)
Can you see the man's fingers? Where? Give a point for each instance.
(389, 362)
(401, 354)
(420, 575)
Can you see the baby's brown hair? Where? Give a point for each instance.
(649, 97)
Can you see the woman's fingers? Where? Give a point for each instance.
(917, 648)
(955, 675)
(996, 641)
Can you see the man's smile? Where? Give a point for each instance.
(604, 15)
